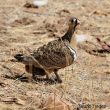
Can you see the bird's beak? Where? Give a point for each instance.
(78, 22)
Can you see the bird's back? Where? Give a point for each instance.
(54, 55)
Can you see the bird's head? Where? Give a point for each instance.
(73, 22)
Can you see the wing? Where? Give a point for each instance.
(54, 55)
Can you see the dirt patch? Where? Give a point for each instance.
(23, 30)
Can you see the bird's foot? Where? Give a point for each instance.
(50, 80)
(54, 80)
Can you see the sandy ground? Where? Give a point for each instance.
(23, 30)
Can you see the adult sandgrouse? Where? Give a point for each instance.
(55, 55)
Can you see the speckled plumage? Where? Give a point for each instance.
(53, 56)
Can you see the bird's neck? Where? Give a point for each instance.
(68, 35)
(73, 42)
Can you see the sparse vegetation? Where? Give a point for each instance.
(22, 30)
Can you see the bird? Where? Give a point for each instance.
(54, 55)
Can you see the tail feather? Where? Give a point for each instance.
(19, 57)
(24, 59)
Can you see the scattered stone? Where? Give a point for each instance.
(54, 102)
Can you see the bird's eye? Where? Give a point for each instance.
(74, 20)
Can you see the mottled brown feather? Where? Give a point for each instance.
(54, 55)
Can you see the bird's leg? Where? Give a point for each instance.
(57, 76)
(29, 69)
(34, 76)
(47, 76)
(35, 72)
(32, 71)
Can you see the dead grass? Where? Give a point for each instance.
(84, 82)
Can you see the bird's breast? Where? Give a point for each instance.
(72, 51)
